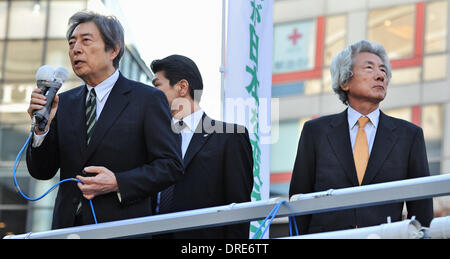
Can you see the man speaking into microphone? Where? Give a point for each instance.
(111, 133)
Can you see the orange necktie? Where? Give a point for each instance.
(361, 151)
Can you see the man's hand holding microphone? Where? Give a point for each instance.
(44, 100)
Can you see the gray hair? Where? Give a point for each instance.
(342, 65)
(109, 26)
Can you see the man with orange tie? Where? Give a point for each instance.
(359, 146)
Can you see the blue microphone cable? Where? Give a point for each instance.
(16, 163)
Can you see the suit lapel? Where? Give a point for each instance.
(339, 138)
(202, 133)
(385, 140)
(78, 105)
(117, 101)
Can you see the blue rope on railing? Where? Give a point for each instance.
(271, 216)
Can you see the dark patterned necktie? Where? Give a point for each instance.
(91, 112)
(166, 200)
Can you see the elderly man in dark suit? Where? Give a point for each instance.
(217, 156)
(111, 133)
(359, 146)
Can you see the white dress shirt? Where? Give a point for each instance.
(102, 91)
(191, 123)
(370, 128)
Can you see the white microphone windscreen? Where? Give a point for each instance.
(45, 73)
(61, 74)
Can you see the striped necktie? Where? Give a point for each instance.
(91, 114)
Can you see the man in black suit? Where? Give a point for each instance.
(217, 156)
(336, 152)
(112, 133)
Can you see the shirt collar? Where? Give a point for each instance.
(353, 117)
(191, 120)
(105, 87)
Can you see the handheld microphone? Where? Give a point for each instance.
(49, 81)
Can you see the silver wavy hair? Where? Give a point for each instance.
(342, 65)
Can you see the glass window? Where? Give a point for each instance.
(326, 81)
(294, 46)
(60, 12)
(23, 58)
(33, 27)
(335, 36)
(432, 125)
(285, 149)
(124, 64)
(2, 45)
(58, 56)
(434, 67)
(394, 29)
(3, 10)
(400, 113)
(14, 131)
(436, 27)
(134, 70)
(405, 76)
(313, 86)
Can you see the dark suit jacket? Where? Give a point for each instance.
(132, 138)
(325, 161)
(218, 171)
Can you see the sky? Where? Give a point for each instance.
(192, 28)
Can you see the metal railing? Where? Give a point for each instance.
(302, 204)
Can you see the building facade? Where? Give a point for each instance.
(309, 33)
(32, 33)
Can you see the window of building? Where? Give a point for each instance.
(335, 41)
(60, 12)
(58, 56)
(432, 125)
(326, 81)
(436, 27)
(14, 130)
(35, 13)
(400, 30)
(435, 67)
(393, 28)
(125, 63)
(400, 113)
(298, 51)
(285, 148)
(335, 37)
(23, 58)
(294, 46)
(3, 16)
(303, 51)
(2, 46)
(405, 75)
(283, 154)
